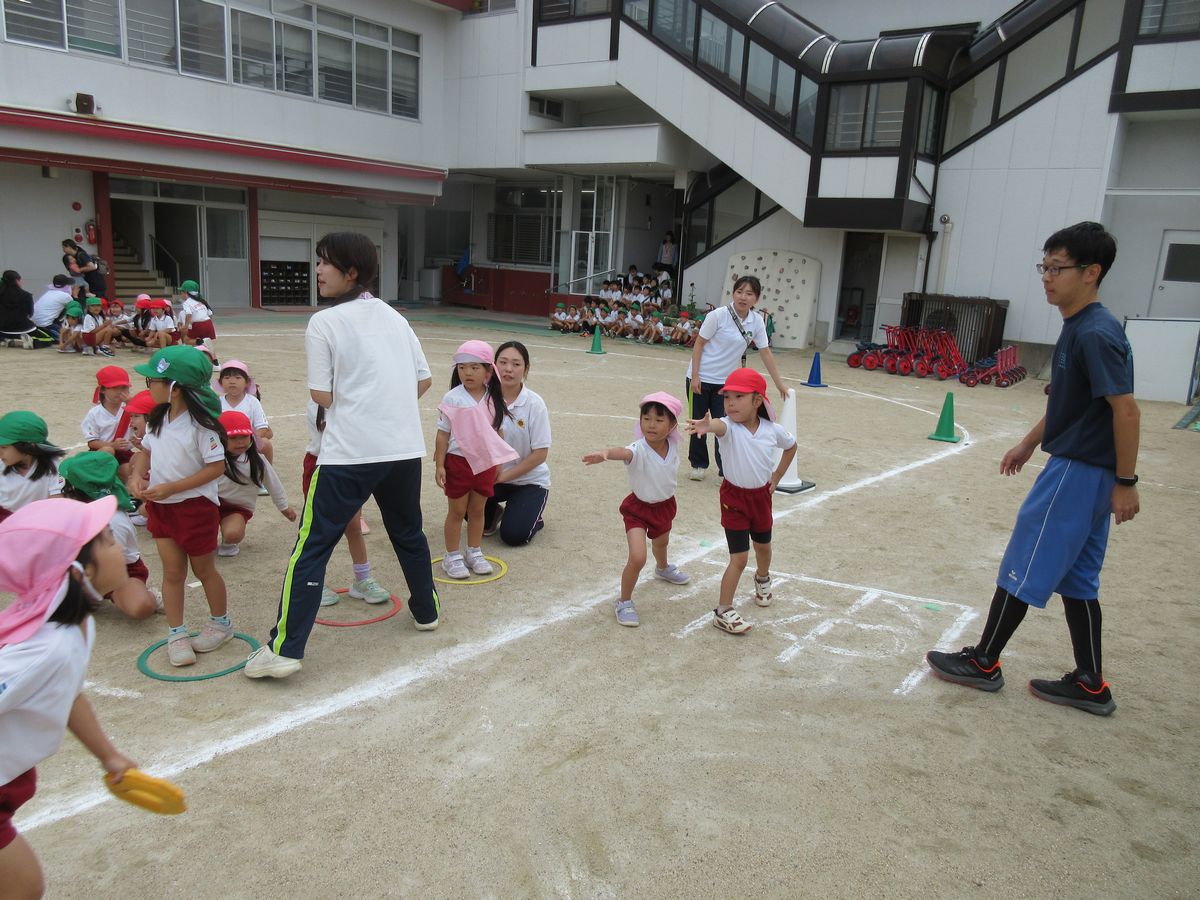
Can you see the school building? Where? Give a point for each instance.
(846, 151)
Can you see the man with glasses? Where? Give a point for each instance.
(1091, 431)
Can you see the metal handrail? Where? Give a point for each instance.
(158, 245)
(553, 288)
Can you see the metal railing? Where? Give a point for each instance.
(167, 253)
(554, 288)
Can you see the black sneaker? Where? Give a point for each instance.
(1082, 690)
(967, 667)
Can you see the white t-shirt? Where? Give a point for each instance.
(246, 495)
(50, 306)
(160, 323)
(99, 424)
(527, 428)
(748, 459)
(181, 449)
(90, 323)
(251, 408)
(197, 310)
(726, 346)
(126, 536)
(652, 477)
(367, 354)
(39, 681)
(17, 489)
(456, 396)
(314, 435)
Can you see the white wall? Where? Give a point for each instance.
(858, 176)
(574, 42)
(778, 230)
(1009, 190)
(1173, 66)
(482, 90)
(37, 217)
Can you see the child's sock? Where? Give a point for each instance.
(220, 620)
(362, 571)
(722, 607)
(173, 633)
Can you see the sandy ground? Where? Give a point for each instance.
(531, 747)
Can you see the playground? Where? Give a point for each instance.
(531, 747)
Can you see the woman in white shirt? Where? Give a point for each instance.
(522, 486)
(721, 346)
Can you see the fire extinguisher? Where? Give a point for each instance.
(90, 228)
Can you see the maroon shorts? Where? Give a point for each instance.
(138, 570)
(13, 796)
(306, 473)
(192, 524)
(123, 456)
(199, 330)
(746, 509)
(656, 518)
(89, 338)
(461, 480)
(228, 509)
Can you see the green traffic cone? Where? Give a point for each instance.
(945, 425)
(596, 348)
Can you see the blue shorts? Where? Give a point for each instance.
(1057, 545)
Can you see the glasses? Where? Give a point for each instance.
(1053, 271)
(152, 381)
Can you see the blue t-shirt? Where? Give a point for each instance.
(1092, 360)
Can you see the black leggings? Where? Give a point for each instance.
(709, 400)
(523, 507)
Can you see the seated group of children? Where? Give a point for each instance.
(97, 326)
(638, 308)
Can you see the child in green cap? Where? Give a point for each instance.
(30, 462)
(196, 316)
(89, 476)
(70, 340)
(184, 456)
(558, 317)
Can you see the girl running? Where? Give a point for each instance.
(58, 557)
(184, 455)
(652, 464)
(468, 452)
(29, 460)
(238, 490)
(747, 437)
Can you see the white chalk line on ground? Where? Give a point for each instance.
(401, 677)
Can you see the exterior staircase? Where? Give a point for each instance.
(133, 278)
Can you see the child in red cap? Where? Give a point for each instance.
(238, 490)
(652, 463)
(747, 437)
(160, 327)
(99, 425)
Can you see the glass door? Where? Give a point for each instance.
(226, 267)
(591, 242)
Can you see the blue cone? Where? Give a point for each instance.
(814, 374)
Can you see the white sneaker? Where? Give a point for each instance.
(762, 591)
(454, 566)
(696, 474)
(478, 562)
(263, 663)
(158, 601)
(138, 519)
(228, 549)
(212, 636)
(329, 597)
(671, 573)
(369, 590)
(180, 652)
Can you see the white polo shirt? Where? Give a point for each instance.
(197, 310)
(245, 495)
(527, 428)
(652, 477)
(90, 323)
(367, 354)
(250, 407)
(181, 449)
(126, 536)
(39, 681)
(722, 329)
(18, 489)
(99, 424)
(160, 323)
(748, 458)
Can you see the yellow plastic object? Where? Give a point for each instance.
(148, 792)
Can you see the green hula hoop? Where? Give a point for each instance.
(144, 665)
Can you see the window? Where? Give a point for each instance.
(406, 73)
(733, 210)
(970, 108)
(721, 49)
(675, 24)
(225, 232)
(806, 110)
(638, 11)
(866, 116)
(202, 38)
(94, 26)
(293, 59)
(1161, 17)
(927, 135)
(252, 49)
(885, 114)
(370, 77)
(546, 108)
(1100, 30)
(293, 8)
(521, 230)
(1183, 263)
(1036, 64)
(334, 69)
(447, 232)
(150, 32)
(847, 104)
(770, 85)
(35, 21)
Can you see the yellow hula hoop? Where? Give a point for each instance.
(503, 570)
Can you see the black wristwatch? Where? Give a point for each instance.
(1127, 482)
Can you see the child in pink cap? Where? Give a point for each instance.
(652, 464)
(468, 453)
(239, 392)
(59, 557)
(747, 437)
